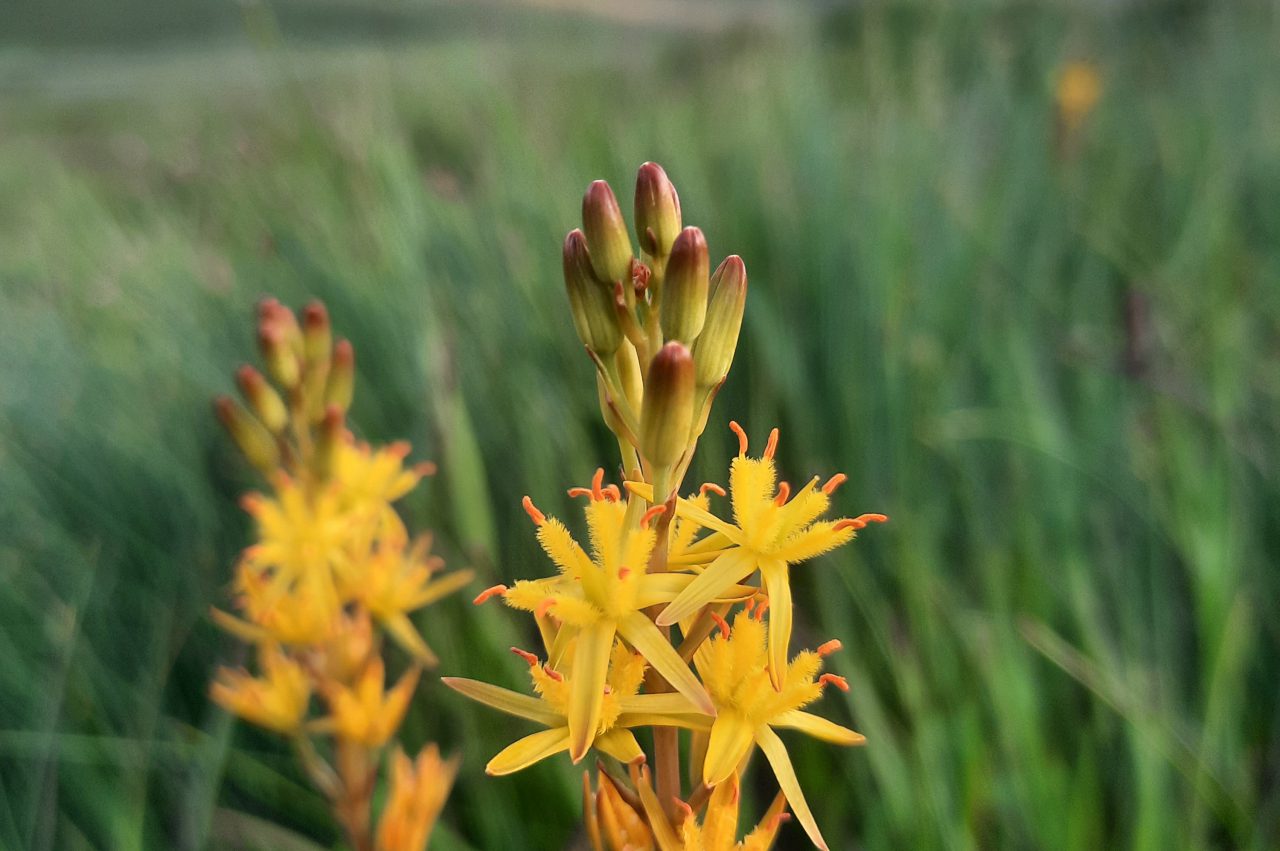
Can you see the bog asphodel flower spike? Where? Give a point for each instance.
(334, 569)
(635, 631)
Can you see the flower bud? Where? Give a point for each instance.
(590, 301)
(657, 210)
(279, 355)
(668, 405)
(713, 353)
(255, 442)
(342, 376)
(329, 439)
(629, 374)
(606, 234)
(263, 399)
(684, 294)
(317, 338)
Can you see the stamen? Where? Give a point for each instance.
(764, 607)
(742, 437)
(834, 482)
(399, 449)
(873, 518)
(553, 673)
(527, 656)
(778, 820)
(860, 522)
(784, 493)
(624, 572)
(574, 493)
(722, 623)
(489, 593)
(251, 502)
(771, 447)
(639, 761)
(608, 689)
(612, 493)
(829, 647)
(545, 606)
(834, 680)
(425, 468)
(711, 486)
(535, 515)
(650, 514)
(751, 604)
(683, 807)
(596, 481)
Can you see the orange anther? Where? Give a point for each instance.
(848, 523)
(553, 673)
(489, 593)
(624, 572)
(683, 807)
(762, 608)
(711, 486)
(535, 515)
(872, 518)
(545, 606)
(784, 493)
(425, 468)
(742, 436)
(251, 502)
(577, 492)
(399, 449)
(526, 655)
(650, 514)
(771, 447)
(834, 482)
(722, 623)
(827, 648)
(612, 493)
(834, 680)
(751, 604)
(596, 481)
(608, 689)
(777, 820)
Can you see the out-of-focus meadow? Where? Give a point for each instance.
(1047, 346)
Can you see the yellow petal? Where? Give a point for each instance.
(721, 575)
(776, 752)
(402, 631)
(731, 739)
(662, 831)
(620, 745)
(667, 703)
(586, 695)
(442, 587)
(818, 727)
(505, 700)
(778, 585)
(523, 753)
(814, 541)
(641, 634)
(685, 508)
(751, 482)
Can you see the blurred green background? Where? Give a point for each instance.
(1049, 351)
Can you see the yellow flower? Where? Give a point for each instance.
(418, 792)
(598, 597)
(611, 821)
(368, 477)
(364, 714)
(395, 581)
(734, 667)
(773, 529)
(620, 708)
(277, 700)
(303, 612)
(719, 828)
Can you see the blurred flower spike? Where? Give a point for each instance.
(333, 571)
(635, 629)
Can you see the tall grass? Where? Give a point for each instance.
(1052, 361)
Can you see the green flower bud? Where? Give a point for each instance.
(263, 399)
(342, 377)
(657, 210)
(629, 374)
(713, 353)
(606, 233)
(255, 442)
(590, 301)
(668, 405)
(684, 294)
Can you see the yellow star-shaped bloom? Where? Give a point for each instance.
(277, 700)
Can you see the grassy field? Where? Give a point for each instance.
(1052, 358)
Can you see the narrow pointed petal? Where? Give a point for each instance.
(685, 508)
(657, 817)
(403, 633)
(670, 703)
(819, 728)
(586, 696)
(523, 753)
(731, 738)
(505, 700)
(776, 752)
(442, 587)
(778, 585)
(621, 745)
(720, 575)
(640, 632)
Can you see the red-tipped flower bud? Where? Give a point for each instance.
(255, 442)
(684, 295)
(667, 413)
(713, 353)
(590, 301)
(657, 210)
(263, 399)
(342, 377)
(606, 233)
(329, 439)
(279, 354)
(317, 339)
